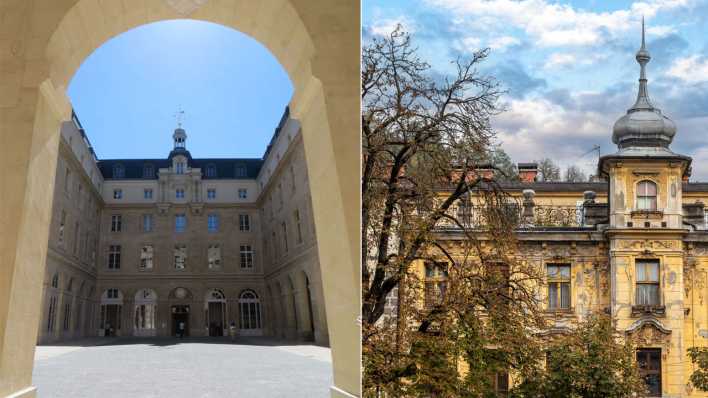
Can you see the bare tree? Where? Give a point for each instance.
(548, 170)
(574, 174)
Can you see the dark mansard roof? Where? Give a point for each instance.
(580, 187)
(226, 168)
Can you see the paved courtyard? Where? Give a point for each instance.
(194, 367)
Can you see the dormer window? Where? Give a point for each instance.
(240, 171)
(179, 167)
(211, 171)
(646, 195)
(118, 171)
(148, 171)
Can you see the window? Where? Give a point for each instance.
(179, 193)
(112, 293)
(249, 311)
(284, 230)
(148, 171)
(241, 171)
(147, 193)
(147, 223)
(179, 167)
(647, 282)
(500, 382)
(61, 227)
(298, 225)
(180, 256)
(246, 256)
(649, 362)
(214, 256)
(67, 315)
(117, 194)
(146, 255)
(435, 284)
(55, 281)
(646, 195)
(118, 171)
(114, 257)
(211, 193)
(558, 286)
(116, 223)
(70, 285)
(52, 313)
(244, 222)
(213, 222)
(242, 193)
(211, 171)
(180, 222)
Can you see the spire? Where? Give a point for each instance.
(180, 136)
(643, 57)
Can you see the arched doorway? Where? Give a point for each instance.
(249, 309)
(215, 313)
(45, 56)
(145, 314)
(180, 301)
(111, 312)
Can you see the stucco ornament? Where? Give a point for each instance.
(649, 332)
(185, 7)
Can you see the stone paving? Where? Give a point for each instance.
(189, 368)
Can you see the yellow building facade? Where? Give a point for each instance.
(634, 245)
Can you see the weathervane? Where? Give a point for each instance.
(179, 116)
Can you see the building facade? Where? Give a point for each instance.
(633, 245)
(139, 246)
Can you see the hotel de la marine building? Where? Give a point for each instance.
(633, 244)
(138, 246)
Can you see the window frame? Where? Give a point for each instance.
(180, 227)
(246, 257)
(647, 282)
(244, 222)
(114, 257)
(435, 283)
(559, 281)
(116, 223)
(642, 197)
(645, 372)
(213, 223)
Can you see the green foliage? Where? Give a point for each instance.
(505, 169)
(699, 356)
(589, 362)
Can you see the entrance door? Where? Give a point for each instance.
(216, 319)
(180, 313)
(111, 320)
(649, 362)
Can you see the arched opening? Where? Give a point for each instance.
(215, 313)
(111, 313)
(249, 314)
(144, 319)
(180, 299)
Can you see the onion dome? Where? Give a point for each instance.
(643, 128)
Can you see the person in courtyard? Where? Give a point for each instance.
(107, 332)
(232, 330)
(180, 327)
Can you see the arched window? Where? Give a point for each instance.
(211, 170)
(111, 308)
(70, 286)
(646, 195)
(250, 312)
(118, 171)
(215, 312)
(55, 280)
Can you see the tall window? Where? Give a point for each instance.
(214, 256)
(146, 256)
(117, 194)
(249, 310)
(67, 315)
(284, 230)
(118, 171)
(649, 362)
(211, 193)
(180, 256)
(646, 195)
(244, 222)
(558, 286)
(500, 382)
(55, 281)
(179, 193)
(145, 309)
(211, 171)
(435, 283)
(147, 193)
(213, 222)
(647, 282)
(240, 171)
(179, 167)
(147, 223)
(298, 226)
(116, 223)
(52, 313)
(148, 171)
(180, 222)
(246, 256)
(114, 257)
(62, 223)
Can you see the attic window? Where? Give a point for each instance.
(118, 171)
(211, 171)
(646, 195)
(148, 171)
(240, 171)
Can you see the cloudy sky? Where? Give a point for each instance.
(569, 67)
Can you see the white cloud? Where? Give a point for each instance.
(384, 26)
(553, 24)
(660, 30)
(692, 69)
(559, 60)
(502, 42)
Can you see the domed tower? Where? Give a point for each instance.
(645, 175)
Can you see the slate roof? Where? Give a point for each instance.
(225, 167)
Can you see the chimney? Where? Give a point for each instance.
(528, 172)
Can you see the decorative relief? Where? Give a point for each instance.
(646, 244)
(185, 7)
(649, 332)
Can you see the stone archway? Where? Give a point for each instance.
(316, 41)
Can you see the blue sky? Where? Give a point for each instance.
(232, 89)
(569, 67)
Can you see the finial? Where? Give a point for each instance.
(643, 58)
(179, 116)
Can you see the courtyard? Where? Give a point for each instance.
(193, 367)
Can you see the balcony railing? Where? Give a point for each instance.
(543, 216)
